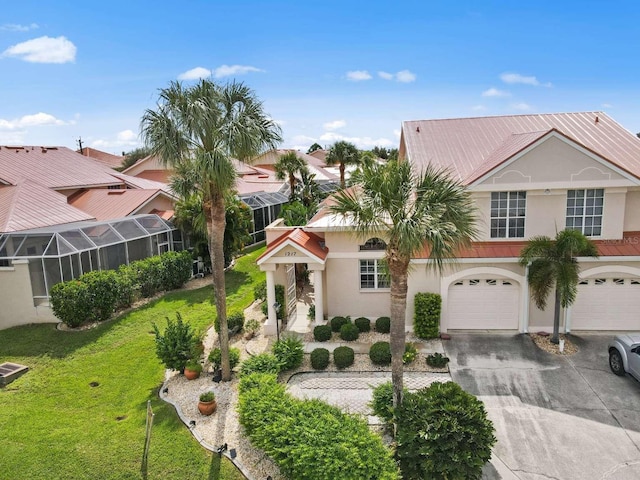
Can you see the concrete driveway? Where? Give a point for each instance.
(556, 417)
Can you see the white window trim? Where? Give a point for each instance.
(376, 273)
(584, 208)
(508, 217)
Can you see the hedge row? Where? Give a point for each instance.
(96, 295)
(426, 319)
(308, 438)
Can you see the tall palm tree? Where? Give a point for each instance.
(343, 153)
(287, 166)
(553, 266)
(409, 211)
(197, 130)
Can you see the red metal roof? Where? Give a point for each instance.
(106, 159)
(161, 176)
(465, 145)
(106, 204)
(308, 241)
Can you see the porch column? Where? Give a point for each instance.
(318, 296)
(270, 325)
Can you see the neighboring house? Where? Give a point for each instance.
(529, 175)
(62, 215)
(106, 159)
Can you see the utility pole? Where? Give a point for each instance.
(80, 145)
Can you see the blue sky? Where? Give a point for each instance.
(325, 70)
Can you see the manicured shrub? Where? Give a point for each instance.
(252, 327)
(322, 333)
(343, 357)
(338, 322)
(426, 319)
(262, 363)
(260, 291)
(383, 325)
(363, 324)
(308, 438)
(215, 357)
(176, 269)
(235, 322)
(320, 358)
(459, 439)
(381, 403)
(280, 298)
(289, 351)
(70, 301)
(437, 360)
(176, 345)
(349, 332)
(410, 353)
(103, 292)
(380, 353)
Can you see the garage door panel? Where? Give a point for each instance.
(483, 304)
(607, 304)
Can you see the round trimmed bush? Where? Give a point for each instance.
(289, 351)
(349, 332)
(383, 325)
(235, 321)
(380, 353)
(320, 358)
(215, 357)
(338, 322)
(363, 324)
(343, 357)
(322, 333)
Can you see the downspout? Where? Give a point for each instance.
(526, 300)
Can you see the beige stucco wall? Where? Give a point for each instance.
(150, 164)
(17, 300)
(159, 203)
(632, 211)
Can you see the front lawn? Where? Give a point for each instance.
(55, 425)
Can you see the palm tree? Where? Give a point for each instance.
(409, 212)
(287, 166)
(343, 153)
(197, 130)
(552, 265)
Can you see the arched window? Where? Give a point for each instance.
(373, 244)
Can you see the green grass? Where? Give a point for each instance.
(54, 425)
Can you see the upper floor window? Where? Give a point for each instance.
(584, 211)
(373, 244)
(507, 214)
(373, 274)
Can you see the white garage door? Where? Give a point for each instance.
(484, 304)
(607, 304)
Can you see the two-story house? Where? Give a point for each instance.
(529, 175)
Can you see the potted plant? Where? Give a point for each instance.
(192, 369)
(207, 404)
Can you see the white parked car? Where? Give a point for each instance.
(624, 355)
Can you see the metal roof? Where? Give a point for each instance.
(106, 204)
(264, 199)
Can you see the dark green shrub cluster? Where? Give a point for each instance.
(96, 295)
(349, 332)
(215, 357)
(363, 324)
(343, 357)
(308, 438)
(410, 353)
(176, 346)
(320, 358)
(383, 325)
(437, 360)
(338, 322)
(262, 363)
(460, 435)
(289, 351)
(322, 333)
(380, 353)
(260, 293)
(235, 322)
(426, 319)
(381, 403)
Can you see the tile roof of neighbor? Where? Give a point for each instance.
(106, 204)
(106, 159)
(29, 205)
(463, 145)
(138, 182)
(308, 241)
(53, 167)
(162, 176)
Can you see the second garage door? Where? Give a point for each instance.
(483, 304)
(607, 304)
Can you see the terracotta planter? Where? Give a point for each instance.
(207, 408)
(191, 374)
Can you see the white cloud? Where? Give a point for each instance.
(43, 50)
(334, 125)
(303, 139)
(360, 142)
(478, 108)
(358, 75)
(521, 106)
(15, 27)
(36, 120)
(494, 92)
(195, 74)
(512, 78)
(14, 137)
(125, 138)
(396, 133)
(386, 75)
(405, 76)
(607, 105)
(229, 70)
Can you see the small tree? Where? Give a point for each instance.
(314, 147)
(175, 347)
(443, 433)
(286, 168)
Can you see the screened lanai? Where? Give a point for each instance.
(265, 208)
(64, 252)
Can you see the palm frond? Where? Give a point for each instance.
(541, 278)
